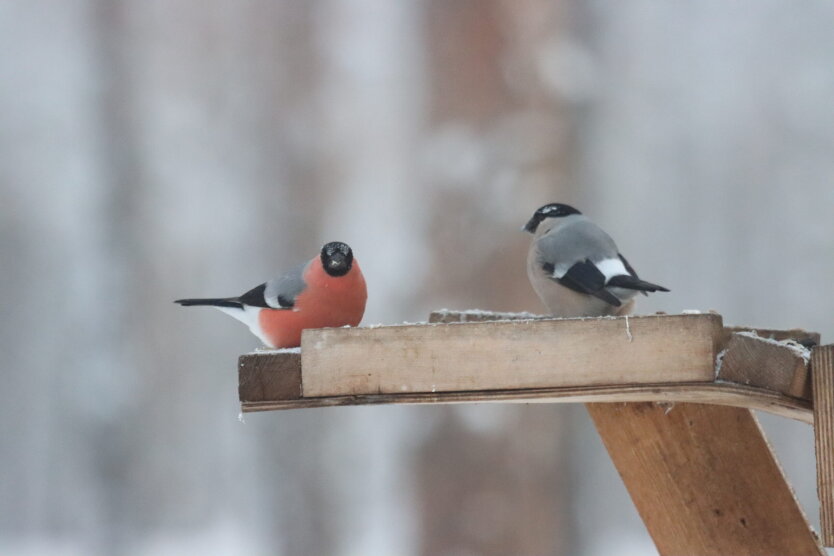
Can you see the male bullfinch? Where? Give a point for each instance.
(327, 291)
(576, 268)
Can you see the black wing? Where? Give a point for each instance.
(634, 283)
(628, 267)
(585, 277)
(254, 297)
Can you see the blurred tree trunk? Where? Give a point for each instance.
(242, 203)
(495, 120)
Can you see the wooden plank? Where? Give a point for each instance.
(507, 355)
(822, 371)
(704, 480)
(445, 316)
(712, 393)
(270, 395)
(799, 335)
(274, 375)
(756, 361)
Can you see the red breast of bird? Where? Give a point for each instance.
(329, 291)
(326, 302)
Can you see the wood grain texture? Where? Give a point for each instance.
(712, 393)
(756, 361)
(799, 335)
(269, 376)
(446, 316)
(704, 480)
(508, 355)
(822, 371)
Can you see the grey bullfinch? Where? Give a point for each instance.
(576, 268)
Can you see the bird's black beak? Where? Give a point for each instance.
(337, 262)
(532, 224)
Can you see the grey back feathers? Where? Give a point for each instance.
(281, 292)
(571, 240)
(575, 267)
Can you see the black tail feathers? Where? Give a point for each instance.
(632, 283)
(228, 302)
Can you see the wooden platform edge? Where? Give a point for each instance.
(269, 375)
(777, 365)
(272, 380)
(822, 374)
(718, 393)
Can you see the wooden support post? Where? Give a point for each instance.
(704, 479)
(822, 373)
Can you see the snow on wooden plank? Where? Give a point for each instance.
(807, 338)
(485, 356)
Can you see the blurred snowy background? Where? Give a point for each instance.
(156, 149)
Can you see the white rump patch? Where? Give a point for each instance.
(248, 316)
(611, 268)
(560, 270)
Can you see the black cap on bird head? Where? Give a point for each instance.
(552, 210)
(336, 258)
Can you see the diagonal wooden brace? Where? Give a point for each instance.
(704, 479)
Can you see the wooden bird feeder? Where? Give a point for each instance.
(702, 476)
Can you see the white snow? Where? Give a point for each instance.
(272, 351)
(719, 360)
(484, 312)
(795, 347)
